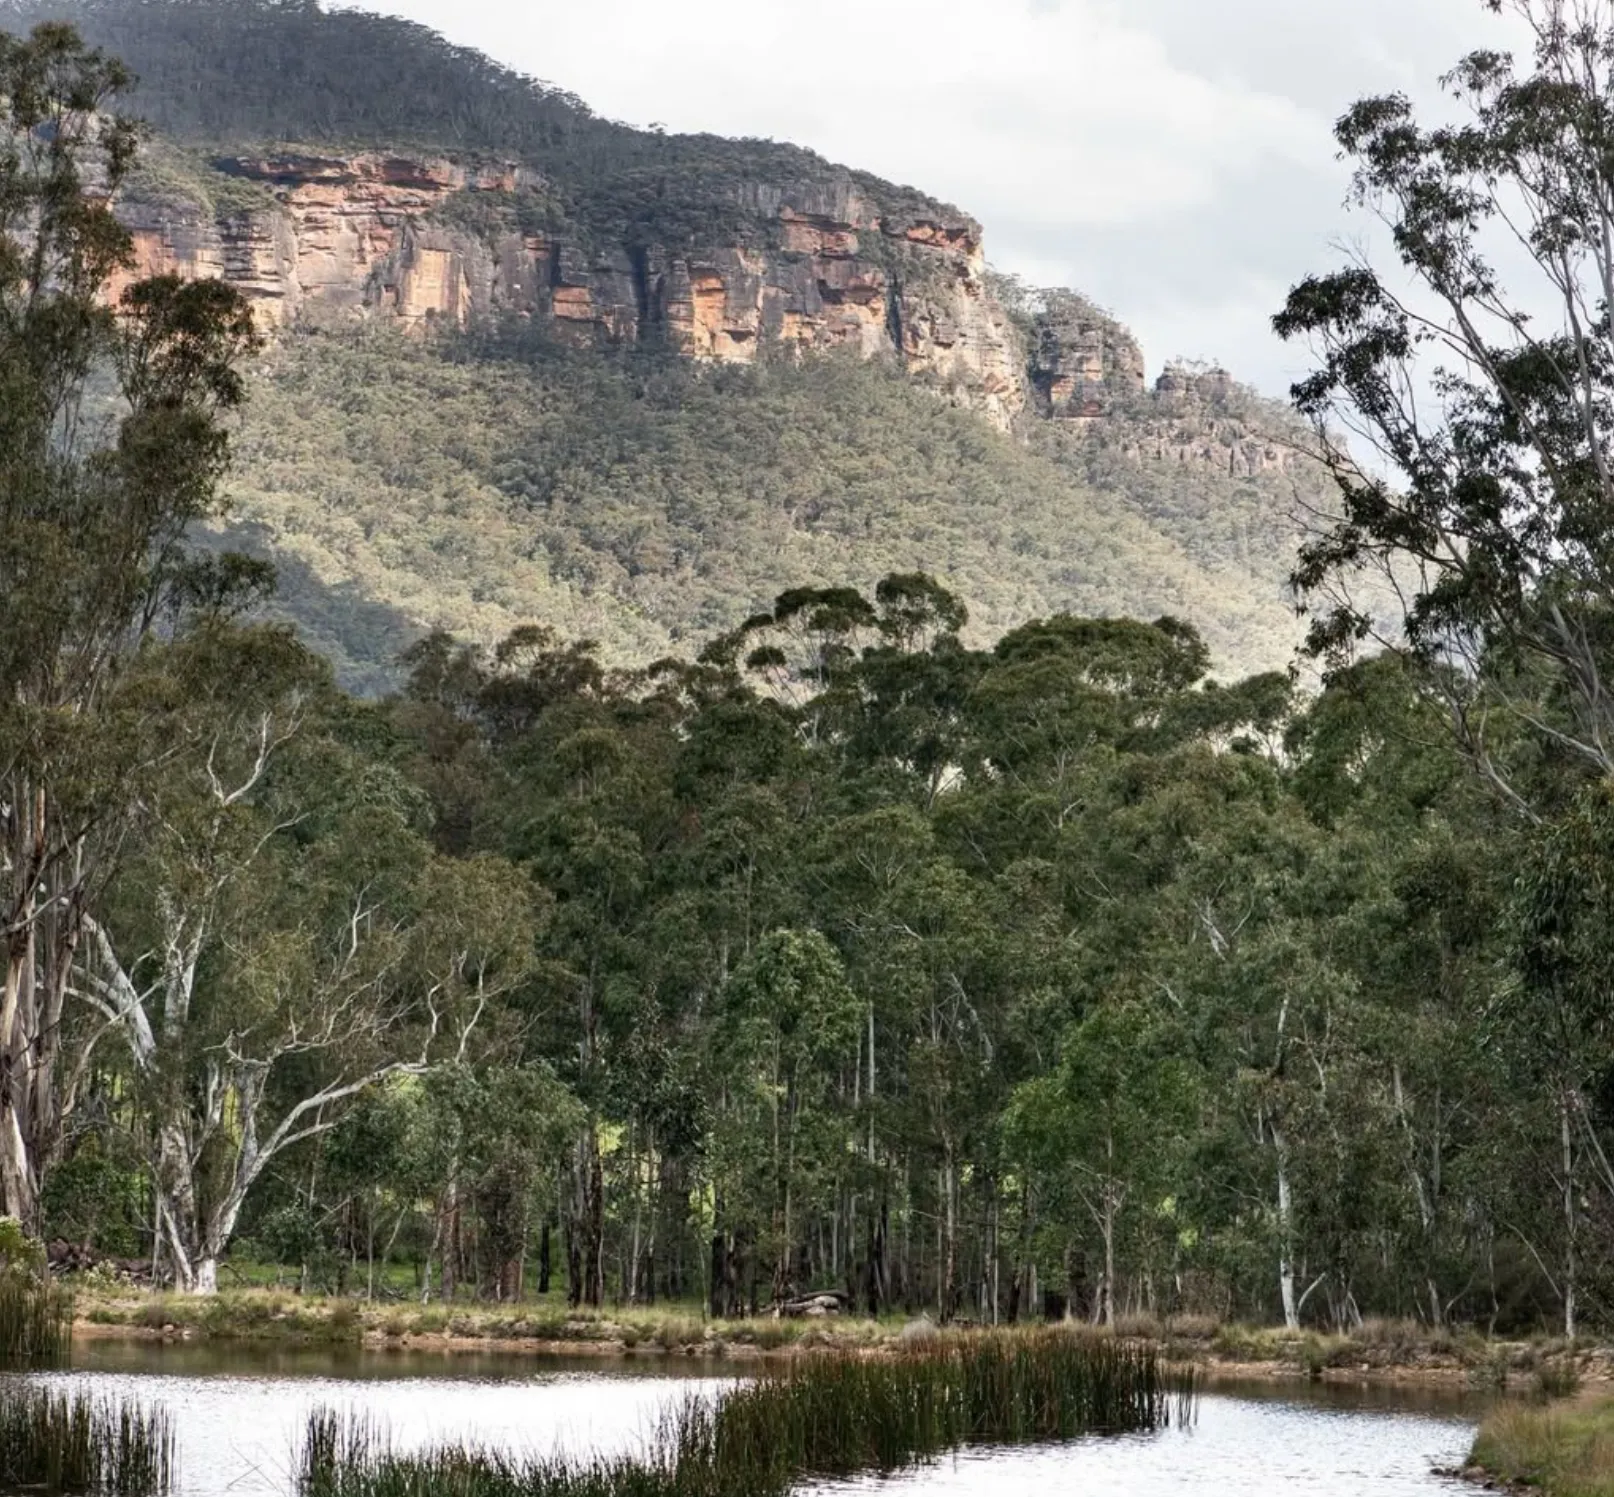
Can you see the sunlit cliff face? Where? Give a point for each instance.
(821, 269)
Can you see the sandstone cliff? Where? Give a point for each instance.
(784, 267)
(1202, 416)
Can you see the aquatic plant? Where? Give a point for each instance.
(834, 1415)
(36, 1313)
(77, 1445)
(36, 1320)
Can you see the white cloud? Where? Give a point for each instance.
(1171, 158)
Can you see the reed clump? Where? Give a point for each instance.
(57, 1443)
(36, 1313)
(77, 1445)
(36, 1322)
(827, 1416)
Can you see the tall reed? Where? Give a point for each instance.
(36, 1320)
(815, 1417)
(77, 1445)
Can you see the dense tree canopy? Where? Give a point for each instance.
(987, 980)
(1030, 971)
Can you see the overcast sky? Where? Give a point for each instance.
(1169, 158)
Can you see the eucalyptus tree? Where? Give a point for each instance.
(1479, 403)
(585, 802)
(285, 939)
(1420, 849)
(1559, 1014)
(789, 1018)
(111, 444)
(1475, 387)
(486, 1133)
(1103, 1130)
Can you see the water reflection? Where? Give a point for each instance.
(269, 1359)
(237, 1434)
(1450, 1400)
(1328, 1442)
(239, 1411)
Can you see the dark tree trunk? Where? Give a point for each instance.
(717, 1295)
(874, 1274)
(595, 1288)
(574, 1263)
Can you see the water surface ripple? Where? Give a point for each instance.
(1240, 1445)
(238, 1419)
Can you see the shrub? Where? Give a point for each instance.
(1557, 1379)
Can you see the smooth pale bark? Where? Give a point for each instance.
(196, 1233)
(1107, 1290)
(16, 1169)
(42, 919)
(1426, 1186)
(1286, 1265)
(1569, 1216)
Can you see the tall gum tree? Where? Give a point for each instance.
(1485, 394)
(1475, 386)
(286, 940)
(95, 497)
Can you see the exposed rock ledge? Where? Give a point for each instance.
(817, 266)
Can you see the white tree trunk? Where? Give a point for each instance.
(1286, 1263)
(1569, 1219)
(16, 1170)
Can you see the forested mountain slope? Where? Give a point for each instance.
(531, 364)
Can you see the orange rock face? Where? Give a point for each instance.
(362, 236)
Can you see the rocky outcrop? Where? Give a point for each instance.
(1201, 417)
(342, 234)
(818, 266)
(800, 267)
(1080, 357)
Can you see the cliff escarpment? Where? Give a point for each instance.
(528, 364)
(729, 272)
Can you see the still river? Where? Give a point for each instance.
(238, 1416)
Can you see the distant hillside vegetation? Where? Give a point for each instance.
(482, 477)
(234, 73)
(476, 482)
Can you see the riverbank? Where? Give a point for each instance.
(1382, 1351)
(1563, 1449)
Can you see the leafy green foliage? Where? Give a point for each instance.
(992, 958)
(93, 513)
(647, 504)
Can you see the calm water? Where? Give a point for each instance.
(1243, 1444)
(239, 1412)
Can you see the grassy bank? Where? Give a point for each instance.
(280, 1315)
(825, 1417)
(1561, 1449)
(1381, 1349)
(1390, 1349)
